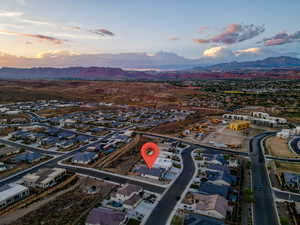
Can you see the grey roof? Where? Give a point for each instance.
(218, 167)
(193, 219)
(291, 178)
(27, 157)
(209, 188)
(84, 156)
(220, 175)
(156, 172)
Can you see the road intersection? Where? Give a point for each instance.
(264, 207)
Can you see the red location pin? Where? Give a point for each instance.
(150, 152)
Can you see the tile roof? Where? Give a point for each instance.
(211, 202)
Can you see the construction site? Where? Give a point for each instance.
(221, 133)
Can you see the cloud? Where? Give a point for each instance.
(218, 52)
(248, 50)
(223, 54)
(202, 29)
(102, 32)
(281, 39)
(10, 14)
(234, 33)
(174, 39)
(39, 37)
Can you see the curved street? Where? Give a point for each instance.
(264, 207)
(167, 203)
(295, 145)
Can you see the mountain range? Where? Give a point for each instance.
(282, 62)
(266, 67)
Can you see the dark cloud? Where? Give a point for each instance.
(234, 33)
(281, 39)
(102, 32)
(39, 37)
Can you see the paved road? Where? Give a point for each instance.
(88, 172)
(264, 208)
(37, 150)
(287, 196)
(164, 208)
(114, 178)
(295, 145)
(282, 159)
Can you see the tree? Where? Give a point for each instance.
(249, 195)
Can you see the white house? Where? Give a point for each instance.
(285, 133)
(11, 193)
(44, 178)
(126, 192)
(163, 163)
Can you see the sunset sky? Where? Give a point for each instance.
(72, 31)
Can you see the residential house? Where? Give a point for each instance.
(126, 192)
(217, 167)
(153, 173)
(52, 131)
(44, 178)
(39, 136)
(209, 205)
(11, 193)
(66, 144)
(194, 219)
(6, 151)
(163, 163)
(66, 135)
(49, 141)
(20, 135)
(208, 188)
(105, 216)
(28, 157)
(132, 202)
(83, 139)
(3, 167)
(292, 180)
(212, 159)
(129, 195)
(96, 130)
(84, 157)
(220, 178)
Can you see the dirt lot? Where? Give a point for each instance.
(125, 164)
(131, 93)
(69, 207)
(178, 126)
(279, 147)
(61, 111)
(284, 213)
(224, 135)
(288, 167)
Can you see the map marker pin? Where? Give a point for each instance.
(150, 152)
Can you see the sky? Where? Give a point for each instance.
(100, 32)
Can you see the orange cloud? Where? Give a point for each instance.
(234, 33)
(174, 39)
